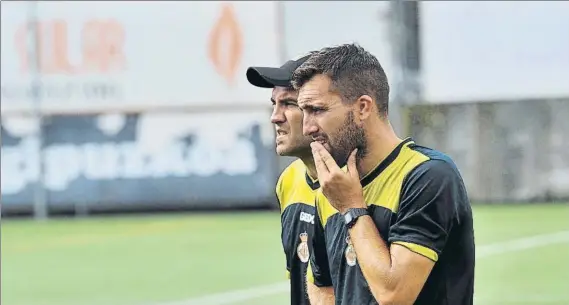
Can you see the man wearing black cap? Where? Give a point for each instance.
(296, 186)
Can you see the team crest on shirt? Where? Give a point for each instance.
(350, 253)
(302, 249)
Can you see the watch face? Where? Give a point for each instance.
(348, 217)
(351, 216)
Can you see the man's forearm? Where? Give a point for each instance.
(374, 259)
(320, 295)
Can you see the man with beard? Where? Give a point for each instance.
(296, 186)
(396, 226)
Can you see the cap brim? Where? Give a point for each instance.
(267, 77)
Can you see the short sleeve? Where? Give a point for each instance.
(428, 208)
(318, 271)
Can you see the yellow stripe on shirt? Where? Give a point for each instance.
(422, 250)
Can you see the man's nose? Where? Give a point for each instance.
(277, 116)
(308, 126)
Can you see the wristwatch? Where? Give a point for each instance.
(352, 215)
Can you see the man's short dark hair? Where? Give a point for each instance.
(353, 70)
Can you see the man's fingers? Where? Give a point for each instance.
(325, 156)
(352, 168)
(321, 168)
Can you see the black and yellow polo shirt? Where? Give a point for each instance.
(417, 199)
(296, 193)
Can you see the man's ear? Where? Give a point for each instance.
(365, 107)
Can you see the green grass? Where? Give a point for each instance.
(153, 259)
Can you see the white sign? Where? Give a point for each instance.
(146, 53)
(488, 51)
(220, 146)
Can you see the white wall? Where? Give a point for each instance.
(313, 25)
(482, 51)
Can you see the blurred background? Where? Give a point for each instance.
(138, 164)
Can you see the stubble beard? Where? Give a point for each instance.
(349, 137)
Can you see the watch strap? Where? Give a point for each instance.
(353, 214)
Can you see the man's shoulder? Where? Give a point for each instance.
(437, 164)
(285, 182)
(436, 160)
(295, 170)
(437, 175)
(293, 186)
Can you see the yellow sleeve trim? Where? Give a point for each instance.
(288, 274)
(309, 274)
(424, 251)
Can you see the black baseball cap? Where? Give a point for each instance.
(270, 77)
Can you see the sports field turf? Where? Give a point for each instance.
(182, 259)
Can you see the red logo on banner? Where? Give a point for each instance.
(226, 43)
(100, 47)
